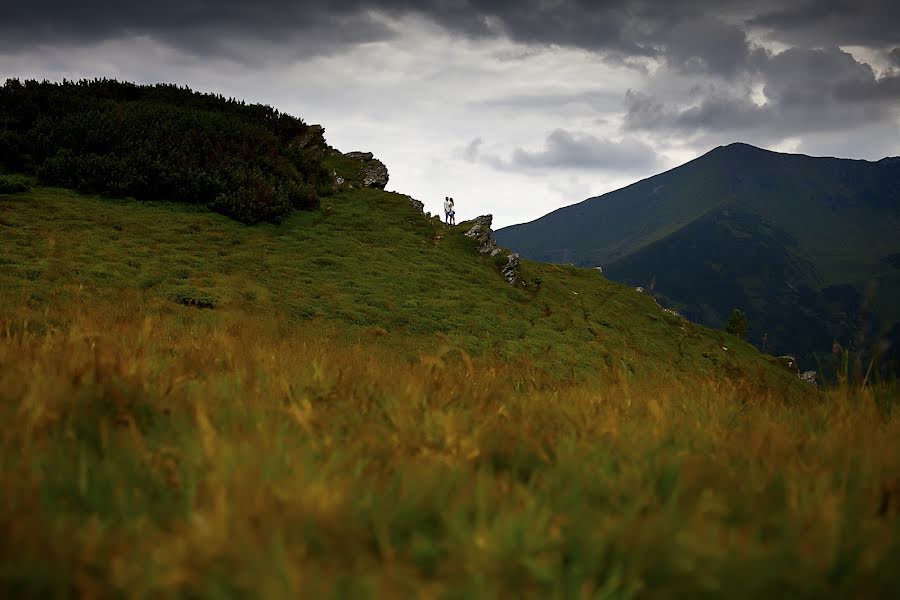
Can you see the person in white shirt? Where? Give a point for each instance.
(452, 212)
(448, 206)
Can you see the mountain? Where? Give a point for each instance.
(807, 246)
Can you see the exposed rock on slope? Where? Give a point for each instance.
(313, 137)
(481, 232)
(373, 173)
(510, 270)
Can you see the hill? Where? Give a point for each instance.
(358, 401)
(366, 264)
(804, 245)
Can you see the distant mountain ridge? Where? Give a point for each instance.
(803, 244)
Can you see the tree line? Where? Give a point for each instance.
(163, 142)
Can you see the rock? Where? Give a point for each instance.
(599, 269)
(672, 311)
(510, 271)
(809, 377)
(790, 362)
(313, 137)
(373, 173)
(639, 289)
(418, 205)
(481, 232)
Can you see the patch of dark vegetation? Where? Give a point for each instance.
(13, 184)
(248, 161)
(190, 296)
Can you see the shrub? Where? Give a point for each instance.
(737, 323)
(190, 296)
(13, 184)
(250, 162)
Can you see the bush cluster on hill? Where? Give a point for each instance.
(248, 161)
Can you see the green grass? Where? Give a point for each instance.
(367, 261)
(368, 409)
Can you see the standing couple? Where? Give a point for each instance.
(449, 211)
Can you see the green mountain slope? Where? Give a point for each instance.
(794, 240)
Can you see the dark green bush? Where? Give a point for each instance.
(190, 296)
(13, 184)
(737, 323)
(250, 162)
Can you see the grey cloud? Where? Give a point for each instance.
(841, 22)
(894, 57)
(708, 45)
(681, 32)
(806, 91)
(597, 99)
(813, 77)
(472, 150)
(203, 27)
(566, 150)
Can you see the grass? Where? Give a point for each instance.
(367, 261)
(369, 410)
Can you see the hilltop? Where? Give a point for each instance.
(804, 245)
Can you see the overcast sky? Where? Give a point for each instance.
(513, 107)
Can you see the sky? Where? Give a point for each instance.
(512, 107)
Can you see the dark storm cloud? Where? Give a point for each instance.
(805, 90)
(566, 150)
(202, 27)
(694, 35)
(595, 25)
(707, 45)
(843, 22)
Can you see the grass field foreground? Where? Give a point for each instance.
(137, 461)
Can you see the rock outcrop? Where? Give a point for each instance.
(373, 173)
(313, 137)
(480, 231)
(510, 270)
(360, 156)
(790, 362)
(417, 204)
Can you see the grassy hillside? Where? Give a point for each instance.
(785, 237)
(368, 264)
(353, 403)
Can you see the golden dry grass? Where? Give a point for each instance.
(149, 454)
